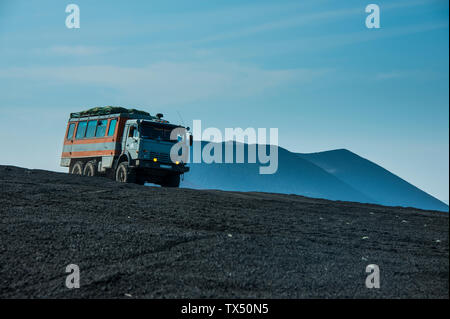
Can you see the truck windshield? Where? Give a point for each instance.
(156, 132)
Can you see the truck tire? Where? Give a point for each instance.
(90, 169)
(125, 174)
(77, 168)
(171, 181)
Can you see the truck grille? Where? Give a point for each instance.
(162, 157)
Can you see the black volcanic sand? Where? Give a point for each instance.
(147, 242)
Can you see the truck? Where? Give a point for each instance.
(128, 145)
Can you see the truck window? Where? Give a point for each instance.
(112, 127)
(133, 132)
(81, 130)
(90, 132)
(153, 132)
(101, 128)
(70, 132)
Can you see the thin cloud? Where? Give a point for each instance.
(166, 83)
(295, 21)
(304, 19)
(78, 50)
(320, 43)
(389, 75)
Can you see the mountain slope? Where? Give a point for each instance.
(294, 176)
(373, 180)
(335, 175)
(131, 241)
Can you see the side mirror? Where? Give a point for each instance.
(191, 140)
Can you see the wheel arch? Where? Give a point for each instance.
(124, 157)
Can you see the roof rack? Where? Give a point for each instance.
(108, 110)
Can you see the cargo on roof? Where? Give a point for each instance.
(98, 111)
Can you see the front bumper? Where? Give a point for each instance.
(181, 168)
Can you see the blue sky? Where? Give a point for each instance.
(310, 68)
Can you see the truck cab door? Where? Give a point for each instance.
(132, 141)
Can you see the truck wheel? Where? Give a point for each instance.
(171, 181)
(77, 168)
(125, 174)
(90, 169)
